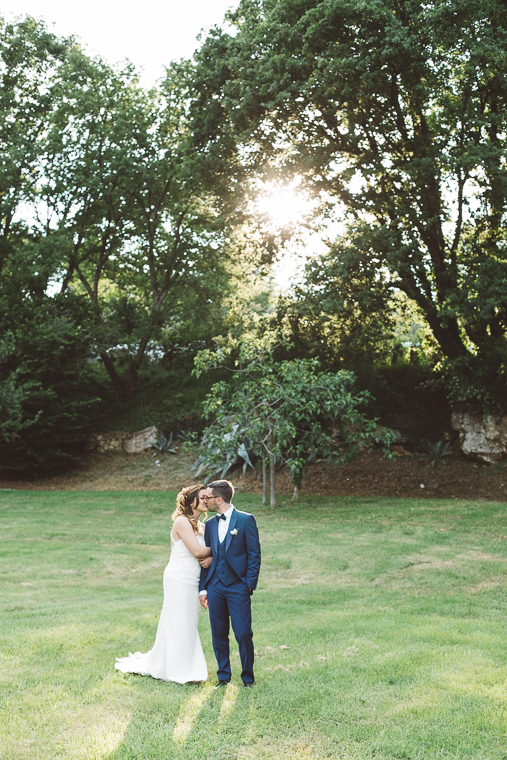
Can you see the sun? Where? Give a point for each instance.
(282, 206)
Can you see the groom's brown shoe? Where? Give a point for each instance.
(222, 683)
(249, 684)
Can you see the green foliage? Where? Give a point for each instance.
(114, 248)
(436, 452)
(347, 330)
(142, 228)
(288, 410)
(478, 381)
(162, 445)
(104, 200)
(408, 396)
(12, 397)
(13, 394)
(169, 397)
(125, 233)
(30, 56)
(49, 391)
(396, 115)
(221, 452)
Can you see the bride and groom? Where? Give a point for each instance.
(217, 564)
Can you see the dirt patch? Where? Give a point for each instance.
(430, 563)
(488, 585)
(482, 556)
(370, 475)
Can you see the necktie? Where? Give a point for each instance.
(220, 517)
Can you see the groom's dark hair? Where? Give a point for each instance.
(223, 488)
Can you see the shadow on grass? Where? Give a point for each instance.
(187, 722)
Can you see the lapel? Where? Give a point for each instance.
(232, 525)
(212, 525)
(214, 537)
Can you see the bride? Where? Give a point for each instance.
(177, 652)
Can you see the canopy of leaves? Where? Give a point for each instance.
(396, 113)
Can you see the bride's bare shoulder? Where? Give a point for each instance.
(180, 521)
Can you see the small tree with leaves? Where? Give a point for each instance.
(288, 411)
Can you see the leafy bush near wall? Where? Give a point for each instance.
(411, 397)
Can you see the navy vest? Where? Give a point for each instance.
(223, 571)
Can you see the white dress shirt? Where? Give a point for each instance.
(223, 527)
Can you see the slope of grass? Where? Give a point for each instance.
(379, 626)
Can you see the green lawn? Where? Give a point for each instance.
(393, 613)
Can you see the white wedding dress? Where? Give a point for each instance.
(177, 652)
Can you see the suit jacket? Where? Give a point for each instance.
(242, 551)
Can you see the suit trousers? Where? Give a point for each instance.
(231, 602)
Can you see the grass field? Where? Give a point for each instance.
(393, 612)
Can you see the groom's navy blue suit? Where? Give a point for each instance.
(234, 570)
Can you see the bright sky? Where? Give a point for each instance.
(149, 33)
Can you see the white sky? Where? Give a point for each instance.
(149, 33)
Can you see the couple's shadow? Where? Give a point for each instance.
(189, 721)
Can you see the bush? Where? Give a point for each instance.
(410, 397)
(49, 386)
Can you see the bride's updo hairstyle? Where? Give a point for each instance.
(185, 500)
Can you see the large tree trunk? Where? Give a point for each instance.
(135, 365)
(118, 383)
(447, 335)
(127, 390)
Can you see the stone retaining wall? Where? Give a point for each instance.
(482, 436)
(132, 443)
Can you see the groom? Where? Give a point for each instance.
(228, 583)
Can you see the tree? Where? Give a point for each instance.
(397, 113)
(128, 206)
(48, 393)
(342, 333)
(288, 411)
(29, 57)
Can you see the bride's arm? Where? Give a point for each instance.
(184, 530)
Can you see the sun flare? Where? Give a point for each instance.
(283, 206)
